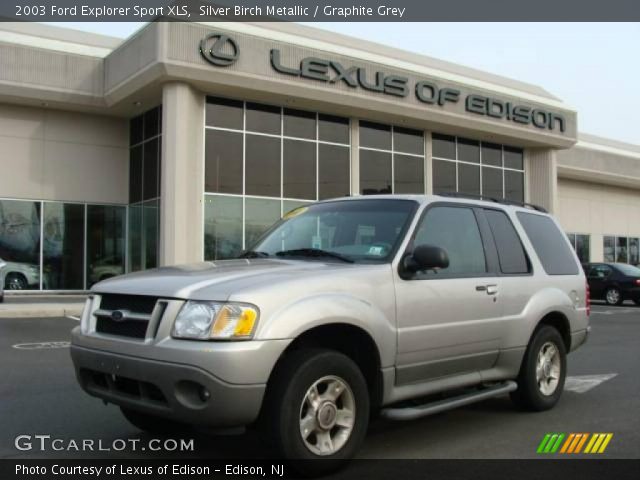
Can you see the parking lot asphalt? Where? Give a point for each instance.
(40, 396)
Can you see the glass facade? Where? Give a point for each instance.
(145, 138)
(581, 244)
(45, 246)
(621, 249)
(477, 168)
(391, 159)
(262, 161)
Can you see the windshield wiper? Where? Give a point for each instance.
(254, 254)
(313, 252)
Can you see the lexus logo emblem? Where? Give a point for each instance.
(117, 315)
(219, 49)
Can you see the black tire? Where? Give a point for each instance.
(153, 424)
(285, 403)
(529, 394)
(636, 301)
(15, 281)
(615, 293)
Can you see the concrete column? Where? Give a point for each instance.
(355, 157)
(596, 247)
(542, 178)
(428, 163)
(182, 200)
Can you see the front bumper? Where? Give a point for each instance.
(208, 383)
(166, 389)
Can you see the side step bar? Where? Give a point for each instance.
(411, 413)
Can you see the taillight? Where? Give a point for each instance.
(587, 299)
(638, 281)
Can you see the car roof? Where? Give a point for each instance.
(453, 198)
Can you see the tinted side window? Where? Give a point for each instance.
(599, 271)
(456, 230)
(549, 243)
(511, 254)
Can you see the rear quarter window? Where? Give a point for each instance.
(549, 243)
(511, 255)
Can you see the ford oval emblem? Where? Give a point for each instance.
(117, 315)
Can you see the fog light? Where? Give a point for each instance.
(204, 394)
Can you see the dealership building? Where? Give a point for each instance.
(186, 141)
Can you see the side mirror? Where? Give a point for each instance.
(426, 257)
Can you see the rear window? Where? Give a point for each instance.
(511, 255)
(628, 270)
(550, 244)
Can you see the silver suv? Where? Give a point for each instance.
(343, 308)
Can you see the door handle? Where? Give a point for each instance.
(492, 289)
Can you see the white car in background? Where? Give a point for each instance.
(19, 276)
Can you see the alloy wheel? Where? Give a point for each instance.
(548, 368)
(327, 415)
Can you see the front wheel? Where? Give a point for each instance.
(543, 371)
(317, 408)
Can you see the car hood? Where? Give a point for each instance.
(215, 280)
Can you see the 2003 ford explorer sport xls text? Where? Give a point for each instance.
(343, 308)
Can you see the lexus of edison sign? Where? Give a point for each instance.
(426, 91)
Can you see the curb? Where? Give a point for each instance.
(42, 310)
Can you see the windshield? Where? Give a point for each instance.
(361, 231)
(628, 270)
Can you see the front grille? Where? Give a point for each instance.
(134, 318)
(127, 328)
(133, 303)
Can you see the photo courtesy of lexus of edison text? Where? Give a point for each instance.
(319, 238)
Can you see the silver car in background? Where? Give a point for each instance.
(343, 308)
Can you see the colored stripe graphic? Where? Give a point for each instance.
(550, 443)
(573, 443)
(598, 442)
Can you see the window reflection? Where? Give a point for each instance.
(20, 244)
(105, 242)
(222, 227)
(63, 246)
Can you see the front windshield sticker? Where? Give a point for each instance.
(295, 212)
(375, 250)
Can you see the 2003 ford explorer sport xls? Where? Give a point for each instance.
(342, 309)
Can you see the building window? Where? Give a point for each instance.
(609, 249)
(45, 248)
(391, 159)
(477, 168)
(262, 161)
(145, 138)
(581, 244)
(621, 249)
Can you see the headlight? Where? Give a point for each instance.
(216, 321)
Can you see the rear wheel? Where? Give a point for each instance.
(317, 408)
(613, 296)
(543, 371)
(151, 423)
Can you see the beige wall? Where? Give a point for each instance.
(55, 155)
(598, 210)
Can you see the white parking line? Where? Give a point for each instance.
(77, 319)
(615, 311)
(584, 383)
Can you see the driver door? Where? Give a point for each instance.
(449, 320)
